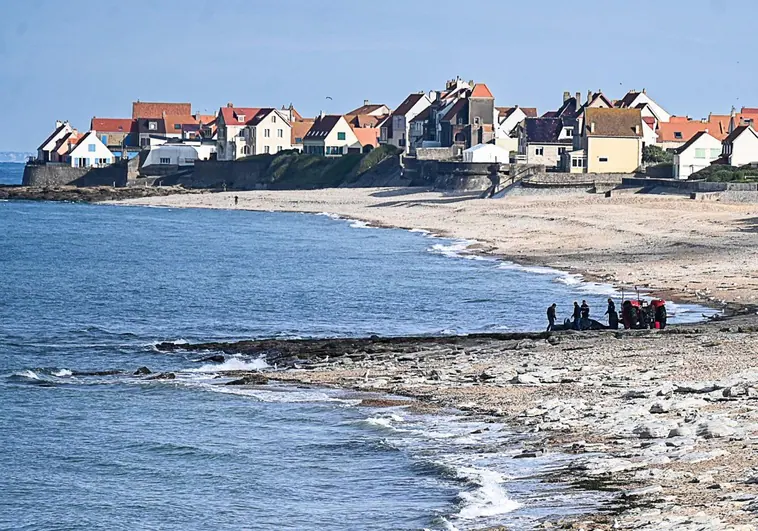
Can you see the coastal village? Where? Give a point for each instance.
(592, 133)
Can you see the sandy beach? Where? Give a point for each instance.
(684, 249)
(667, 420)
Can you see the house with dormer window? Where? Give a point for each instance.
(246, 131)
(331, 136)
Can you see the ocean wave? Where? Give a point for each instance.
(487, 498)
(281, 396)
(28, 374)
(63, 373)
(232, 364)
(329, 215)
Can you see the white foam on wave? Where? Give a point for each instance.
(420, 231)
(384, 421)
(63, 373)
(329, 215)
(487, 499)
(357, 224)
(459, 249)
(283, 396)
(28, 374)
(232, 364)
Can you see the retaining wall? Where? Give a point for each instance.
(50, 175)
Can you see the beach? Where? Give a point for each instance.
(698, 251)
(667, 421)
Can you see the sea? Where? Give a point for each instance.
(86, 292)
(11, 173)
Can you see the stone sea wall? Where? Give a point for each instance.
(48, 175)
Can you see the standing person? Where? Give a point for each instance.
(551, 317)
(577, 316)
(613, 316)
(236, 200)
(585, 310)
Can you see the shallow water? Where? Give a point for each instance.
(90, 289)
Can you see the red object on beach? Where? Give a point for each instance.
(658, 325)
(657, 302)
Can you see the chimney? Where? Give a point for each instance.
(636, 129)
(321, 114)
(589, 96)
(578, 97)
(592, 127)
(58, 123)
(230, 105)
(644, 90)
(365, 102)
(566, 96)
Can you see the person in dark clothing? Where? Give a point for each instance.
(577, 316)
(585, 309)
(613, 316)
(236, 200)
(551, 317)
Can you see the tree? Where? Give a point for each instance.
(655, 155)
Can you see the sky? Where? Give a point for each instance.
(77, 59)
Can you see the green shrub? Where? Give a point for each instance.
(655, 154)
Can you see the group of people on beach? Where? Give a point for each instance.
(581, 316)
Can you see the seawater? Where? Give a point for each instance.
(88, 290)
(11, 173)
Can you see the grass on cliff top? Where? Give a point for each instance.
(726, 174)
(291, 169)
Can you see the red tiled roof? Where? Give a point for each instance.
(481, 90)
(364, 120)
(146, 109)
(649, 120)
(681, 131)
(299, 130)
(367, 135)
(181, 120)
(749, 110)
(113, 125)
(239, 115)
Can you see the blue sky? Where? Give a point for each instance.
(76, 59)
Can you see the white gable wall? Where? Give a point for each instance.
(745, 148)
(90, 152)
(699, 155)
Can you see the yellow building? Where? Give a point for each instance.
(610, 141)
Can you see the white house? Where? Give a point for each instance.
(740, 147)
(179, 153)
(486, 153)
(636, 100)
(47, 148)
(90, 152)
(396, 130)
(701, 150)
(506, 130)
(244, 131)
(332, 136)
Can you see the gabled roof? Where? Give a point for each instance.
(366, 109)
(682, 131)
(408, 104)
(323, 125)
(649, 120)
(596, 96)
(505, 112)
(627, 101)
(263, 113)
(569, 109)
(299, 130)
(81, 140)
(367, 136)
(55, 133)
(423, 116)
(612, 122)
(544, 131)
(481, 90)
(171, 122)
(67, 142)
(146, 109)
(738, 132)
(239, 116)
(691, 141)
(113, 125)
(455, 109)
(364, 120)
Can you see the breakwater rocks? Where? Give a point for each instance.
(85, 195)
(666, 421)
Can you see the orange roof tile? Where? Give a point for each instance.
(146, 109)
(680, 131)
(481, 90)
(367, 135)
(300, 129)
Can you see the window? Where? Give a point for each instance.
(273, 118)
(278, 149)
(569, 131)
(165, 160)
(152, 126)
(245, 150)
(104, 139)
(603, 159)
(144, 142)
(91, 148)
(267, 133)
(298, 140)
(678, 135)
(715, 152)
(561, 150)
(699, 153)
(574, 163)
(341, 136)
(280, 133)
(476, 120)
(540, 151)
(178, 127)
(266, 149)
